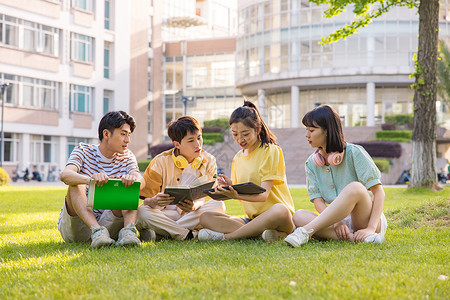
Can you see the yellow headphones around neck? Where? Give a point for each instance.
(182, 163)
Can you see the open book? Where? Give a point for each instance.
(113, 195)
(248, 188)
(191, 192)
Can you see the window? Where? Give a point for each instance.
(80, 99)
(30, 92)
(10, 143)
(28, 36)
(106, 60)
(73, 142)
(107, 18)
(107, 101)
(81, 47)
(83, 4)
(43, 149)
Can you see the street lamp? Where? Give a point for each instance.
(3, 87)
(185, 101)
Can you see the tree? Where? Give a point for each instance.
(444, 72)
(423, 171)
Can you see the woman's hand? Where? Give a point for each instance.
(361, 234)
(223, 180)
(342, 231)
(229, 193)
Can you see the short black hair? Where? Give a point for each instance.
(327, 118)
(179, 128)
(113, 120)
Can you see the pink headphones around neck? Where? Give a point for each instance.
(334, 158)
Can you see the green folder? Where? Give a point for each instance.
(113, 195)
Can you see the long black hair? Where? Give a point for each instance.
(249, 115)
(327, 118)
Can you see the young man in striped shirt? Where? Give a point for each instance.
(111, 158)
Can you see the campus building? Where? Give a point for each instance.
(68, 62)
(279, 63)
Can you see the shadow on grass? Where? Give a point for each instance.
(32, 226)
(14, 252)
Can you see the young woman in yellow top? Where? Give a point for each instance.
(260, 161)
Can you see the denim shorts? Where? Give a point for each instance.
(246, 220)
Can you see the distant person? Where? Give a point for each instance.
(181, 165)
(261, 161)
(338, 177)
(36, 174)
(110, 159)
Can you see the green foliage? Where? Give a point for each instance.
(36, 263)
(363, 14)
(400, 119)
(221, 122)
(143, 164)
(210, 138)
(394, 135)
(4, 177)
(382, 164)
(443, 71)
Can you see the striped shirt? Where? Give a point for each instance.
(89, 160)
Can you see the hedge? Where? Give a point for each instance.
(4, 177)
(384, 149)
(382, 164)
(390, 135)
(143, 164)
(400, 119)
(221, 122)
(212, 138)
(157, 149)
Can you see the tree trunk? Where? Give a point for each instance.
(423, 171)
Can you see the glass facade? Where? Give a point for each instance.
(207, 79)
(278, 48)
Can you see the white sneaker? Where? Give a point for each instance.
(299, 237)
(377, 239)
(272, 235)
(210, 235)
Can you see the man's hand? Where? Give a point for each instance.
(129, 179)
(186, 205)
(342, 231)
(160, 200)
(100, 178)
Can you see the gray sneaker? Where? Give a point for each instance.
(100, 237)
(128, 236)
(147, 235)
(299, 237)
(272, 235)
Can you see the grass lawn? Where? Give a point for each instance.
(36, 263)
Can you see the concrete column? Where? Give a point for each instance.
(370, 95)
(24, 151)
(295, 107)
(262, 104)
(62, 158)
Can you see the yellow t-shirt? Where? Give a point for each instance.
(262, 164)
